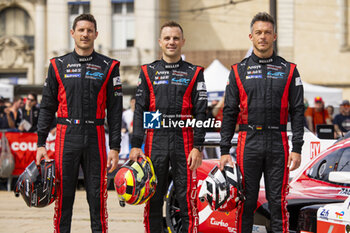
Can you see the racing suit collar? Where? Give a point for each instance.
(171, 66)
(83, 58)
(263, 60)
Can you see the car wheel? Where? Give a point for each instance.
(172, 216)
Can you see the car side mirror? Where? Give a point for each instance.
(340, 177)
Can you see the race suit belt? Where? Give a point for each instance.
(247, 127)
(71, 121)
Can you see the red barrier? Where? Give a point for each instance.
(23, 148)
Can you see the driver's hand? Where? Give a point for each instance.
(41, 152)
(135, 153)
(224, 159)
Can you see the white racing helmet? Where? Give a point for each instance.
(222, 189)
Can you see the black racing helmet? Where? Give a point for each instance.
(37, 184)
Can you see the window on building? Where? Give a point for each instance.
(15, 21)
(123, 24)
(76, 8)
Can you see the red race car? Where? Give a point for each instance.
(309, 187)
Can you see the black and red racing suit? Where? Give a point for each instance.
(178, 92)
(79, 89)
(259, 95)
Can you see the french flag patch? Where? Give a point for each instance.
(76, 122)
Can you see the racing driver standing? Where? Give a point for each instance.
(79, 87)
(261, 91)
(174, 88)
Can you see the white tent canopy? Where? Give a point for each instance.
(216, 76)
(331, 96)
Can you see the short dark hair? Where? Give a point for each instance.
(170, 24)
(87, 17)
(35, 96)
(262, 16)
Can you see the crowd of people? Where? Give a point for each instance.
(20, 115)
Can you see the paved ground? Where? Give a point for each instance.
(16, 217)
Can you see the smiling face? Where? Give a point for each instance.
(263, 36)
(84, 36)
(171, 41)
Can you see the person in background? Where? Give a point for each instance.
(15, 109)
(317, 115)
(330, 110)
(128, 116)
(342, 120)
(29, 114)
(6, 116)
(218, 111)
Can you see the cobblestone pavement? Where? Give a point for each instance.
(16, 217)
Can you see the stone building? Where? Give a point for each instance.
(313, 34)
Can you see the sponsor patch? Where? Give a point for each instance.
(72, 75)
(94, 75)
(249, 72)
(201, 86)
(179, 73)
(117, 81)
(172, 66)
(160, 82)
(256, 76)
(264, 61)
(271, 74)
(162, 72)
(93, 67)
(202, 93)
(85, 59)
(139, 82)
(75, 70)
(164, 77)
(180, 81)
(74, 65)
(298, 81)
(273, 67)
(254, 67)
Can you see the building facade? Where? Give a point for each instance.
(313, 34)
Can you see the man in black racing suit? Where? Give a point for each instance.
(176, 89)
(262, 89)
(79, 87)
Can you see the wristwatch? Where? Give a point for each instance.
(200, 148)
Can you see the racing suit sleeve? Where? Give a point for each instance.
(114, 106)
(296, 111)
(200, 104)
(141, 105)
(230, 114)
(48, 106)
